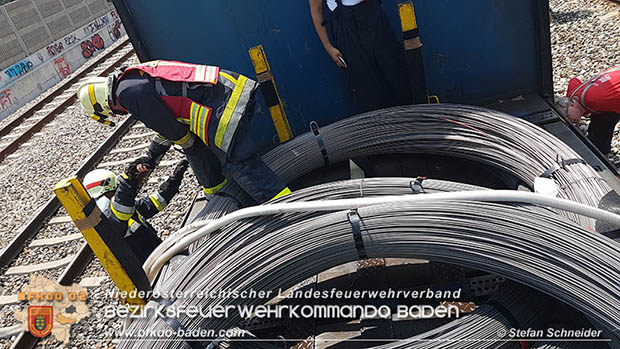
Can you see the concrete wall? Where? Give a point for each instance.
(43, 41)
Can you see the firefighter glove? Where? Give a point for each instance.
(171, 186)
(132, 175)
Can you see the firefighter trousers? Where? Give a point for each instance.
(601, 130)
(376, 69)
(212, 166)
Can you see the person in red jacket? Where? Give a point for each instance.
(599, 97)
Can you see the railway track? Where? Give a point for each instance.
(49, 214)
(73, 265)
(32, 120)
(49, 244)
(123, 146)
(18, 131)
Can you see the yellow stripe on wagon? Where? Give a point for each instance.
(407, 16)
(276, 107)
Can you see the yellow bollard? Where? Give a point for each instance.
(106, 241)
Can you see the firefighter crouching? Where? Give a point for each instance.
(205, 110)
(599, 97)
(116, 198)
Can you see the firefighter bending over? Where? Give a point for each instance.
(116, 198)
(205, 110)
(600, 97)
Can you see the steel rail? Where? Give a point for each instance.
(79, 263)
(66, 85)
(29, 230)
(77, 266)
(36, 127)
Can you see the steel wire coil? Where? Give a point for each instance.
(480, 329)
(478, 134)
(551, 344)
(531, 245)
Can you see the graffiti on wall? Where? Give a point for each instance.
(19, 68)
(63, 68)
(89, 46)
(70, 40)
(115, 30)
(55, 49)
(96, 25)
(5, 99)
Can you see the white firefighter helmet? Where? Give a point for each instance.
(94, 96)
(99, 182)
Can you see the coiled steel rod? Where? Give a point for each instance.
(177, 244)
(531, 245)
(478, 134)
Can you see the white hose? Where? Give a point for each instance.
(179, 242)
(8, 332)
(172, 239)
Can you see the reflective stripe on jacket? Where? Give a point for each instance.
(178, 71)
(222, 109)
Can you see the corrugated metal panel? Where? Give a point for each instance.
(49, 7)
(5, 28)
(11, 52)
(59, 25)
(71, 3)
(15, 5)
(97, 7)
(80, 15)
(35, 38)
(23, 14)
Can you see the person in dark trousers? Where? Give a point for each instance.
(116, 198)
(204, 109)
(599, 97)
(358, 37)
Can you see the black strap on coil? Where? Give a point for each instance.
(512, 320)
(175, 325)
(560, 165)
(315, 130)
(416, 186)
(355, 221)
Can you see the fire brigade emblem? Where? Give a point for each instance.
(40, 320)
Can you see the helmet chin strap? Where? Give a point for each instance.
(116, 107)
(97, 116)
